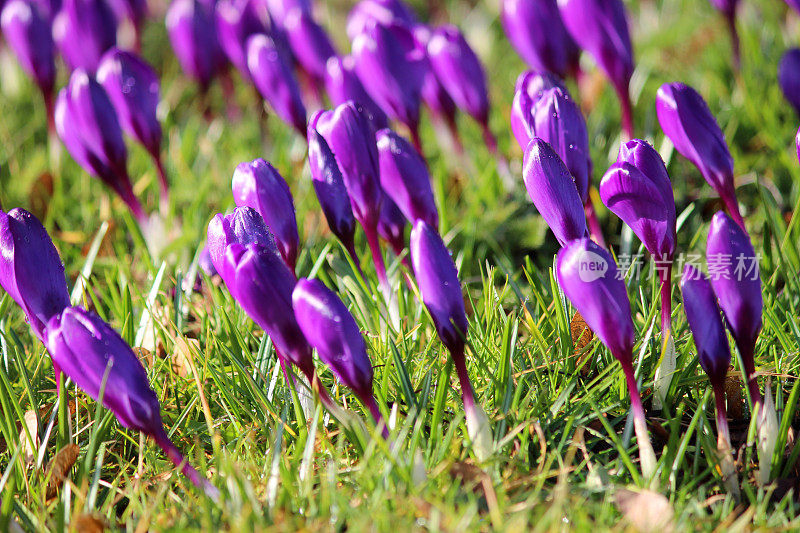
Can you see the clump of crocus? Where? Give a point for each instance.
(259, 185)
(728, 8)
(529, 88)
(737, 283)
(87, 125)
(601, 28)
(332, 331)
(553, 192)
(440, 289)
(83, 31)
(789, 77)
(26, 29)
(588, 276)
(392, 68)
(101, 363)
(637, 189)
(705, 322)
(342, 85)
(331, 191)
(236, 21)
(537, 33)
(192, 31)
(685, 118)
(273, 77)
(311, 46)
(405, 178)
(133, 88)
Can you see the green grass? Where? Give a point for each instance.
(563, 454)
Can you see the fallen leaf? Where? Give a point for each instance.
(581, 337)
(28, 450)
(733, 393)
(145, 356)
(59, 467)
(87, 523)
(646, 511)
(182, 356)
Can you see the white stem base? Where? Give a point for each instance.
(480, 433)
(664, 373)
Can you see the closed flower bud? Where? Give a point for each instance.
(553, 191)
(279, 10)
(433, 93)
(530, 87)
(789, 77)
(243, 226)
(258, 185)
(192, 31)
(342, 84)
(310, 45)
(83, 31)
(236, 21)
(381, 11)
(26, 29)
(392, 225)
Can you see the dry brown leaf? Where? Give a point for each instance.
(40, 195)
(59, 468)
(145, 356)
(581, 337)
(183, 355)
(646, 510)
(28, 451)
(733, 393)
(87, 523)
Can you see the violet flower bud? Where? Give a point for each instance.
(529, 88)
(206, 264)
(392, 68)
(310, 45)
(405, 179)
(553, 191)
(259, 185)
(433, 94)
(275, 81)
(95, 357)
(193, 33)
(600, 27)
(381, 11)
(244, 226)
(30, 269)
(331, 329)
(342, 84)
(279, 10)
(26, 29)
(536, 32)
(558, 120)
(331, 191)
(87, 125)
(789, 77)
(83, 31)
(735, 276)
(236, 21)
(686, 119)
(705, 322)
(392, 225)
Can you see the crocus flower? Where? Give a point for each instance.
(26, 29)
(553, 191)
(279, 10)
(392, 68)
(405, 179)
(132, 85)
(392, 225)
(192, 31)
(30, 269)
(702, 313)
(381, 11)
(87, 125)
(310, 45)
(83, 31)
(236, 21)
(244, 226)
(600, 27)
(789, 77)
(529, 88)
(685, 118)
(588, 276)
(734, 273)
(134, 11)
(536, 32)
(333, 332)
(728, 8)
(440, 289)
(433, 94)
(275, 81)
(460, 72)
(259, 185)
(96, 358)
(342, 84)
(331, 191)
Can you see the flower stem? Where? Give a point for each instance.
(732, 206)
(374, 410)
(595, 230)
(177, 458)
(730, 18)
(724, 450)
(371, 232)
(162, 180)
(647, 456)
(626, 110)
(749, 374)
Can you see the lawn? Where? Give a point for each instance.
(564, 456)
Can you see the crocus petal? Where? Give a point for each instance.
(381, 11)
(392, 225)
(342, 84)
(789, 77)
(83, 31)
(193, 34)
(529, 88)
(243, 226)
(26, 29)
(310, 45)
(236, 21)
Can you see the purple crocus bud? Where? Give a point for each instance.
(258, 185)
(87, 125)
(27, 31)
(96, 358)
(342, 84)
(193, 34)
(705, 322)
(737, 283)
(600, 27)
(558, 120)
(236, 21)
(83, 31)
(433, 94)
(244, 226)
(529, 88)
(381, 11)
(686, 119)
(274, 79)
(206, 264)
(331, 329)
(331, 191)
(405, 179)
(30, 269)
(536, 32)
(789, 77)
(310, 45)
(392, 68)
(279, 10)
(553, 191)
(392, 225)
